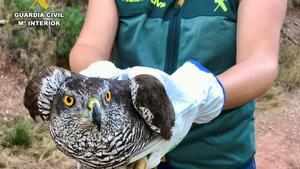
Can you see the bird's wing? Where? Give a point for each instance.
(41, 89)
(153, 104)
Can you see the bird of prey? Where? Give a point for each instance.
(100, 122)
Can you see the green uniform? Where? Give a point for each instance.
(162, 35)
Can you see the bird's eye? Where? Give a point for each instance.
(108, 96)
(69, 100)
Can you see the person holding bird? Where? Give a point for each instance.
(220, 54)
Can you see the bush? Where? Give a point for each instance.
(69, 30)
(289, 66)
(20, 40)
(19, 134)
(20, 5)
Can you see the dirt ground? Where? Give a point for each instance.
(277, 120)
(278, 133)
(12, 83)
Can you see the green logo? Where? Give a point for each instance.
(42, 3)
(221, 3)
(158, 3)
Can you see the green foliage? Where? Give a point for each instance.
(21, 5)
(38, 47)
(20, 40)
(19, 134)
(289, 67)
(24, 5)
(69, 29)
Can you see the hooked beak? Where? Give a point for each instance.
(94, 109)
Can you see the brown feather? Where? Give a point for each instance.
(152, 95)
(34, 87)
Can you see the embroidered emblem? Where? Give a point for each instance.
(221, 3)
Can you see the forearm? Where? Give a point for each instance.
(258, 35)
(248, 79)
(82, 55)
(97, 35)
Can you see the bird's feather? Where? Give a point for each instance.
(41, 90)
(151, 101)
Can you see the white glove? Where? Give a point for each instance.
(197, 96)
(102, 69)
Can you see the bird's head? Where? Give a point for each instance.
(74, 98)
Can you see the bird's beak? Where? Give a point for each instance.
(94, 109)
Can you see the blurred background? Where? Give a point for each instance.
(26, 50)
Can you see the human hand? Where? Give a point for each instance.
(103, 69)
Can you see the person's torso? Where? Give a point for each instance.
(162, 35)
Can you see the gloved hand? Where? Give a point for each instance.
(196, 94)
(102, 69)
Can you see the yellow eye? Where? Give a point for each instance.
(69, 101)
(108, 96)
